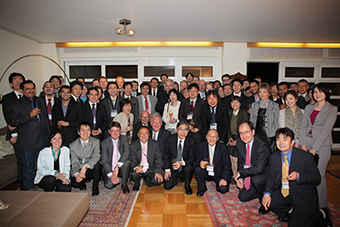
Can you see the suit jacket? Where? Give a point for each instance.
(185, 109)
(222, 120)
(57, 101)
(107, 152)
(33, 132)
(241, 116)
(135, 109)
(221, 160)
(91, 154)
(107, 102)
(170, 151)
(74, 115)
(162, 136)
(303, 192)
(153, 155)
(322, 127)
(152, 105)
(159, 91)
(259, 158)
(136, 128)
(7, 101)
(271, 116)
(102, 120)
(124, 122)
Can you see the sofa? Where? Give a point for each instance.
(38, 208)
(8, 165)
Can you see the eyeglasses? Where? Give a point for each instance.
(246, 132)
(65, 92)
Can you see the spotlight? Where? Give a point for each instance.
(120, 31)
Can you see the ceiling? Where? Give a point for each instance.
(175, 20)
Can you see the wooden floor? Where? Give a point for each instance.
(159, 207)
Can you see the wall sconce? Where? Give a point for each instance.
(120, 31)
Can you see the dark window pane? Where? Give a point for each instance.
(330, 73)
(337, 122)
(334, 88)
(86, 71)
(201, 71)
(335, 102)
(300, 72)
(126, 71)
(336, 136)
(157, 71)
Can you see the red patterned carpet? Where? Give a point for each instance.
(228, 210)
(110, 207)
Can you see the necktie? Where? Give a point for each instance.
(285, 166)
(115, 155)
(20, 96)
(153, 136)
(192, 106)
(84, 150)
(49, 110)
(211, 156)
(94, 115)
(153, 92)
(144, 158)
(213, 115)
(146, 104)
(179, 154)
(78, 99)
(247, 179)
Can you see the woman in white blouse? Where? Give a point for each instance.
(292, 115)
(170, 113)
(125, 118)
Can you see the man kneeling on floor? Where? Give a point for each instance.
(291, 187)
(85, 155)
(213, 164)
(115, 158)
(145, 160)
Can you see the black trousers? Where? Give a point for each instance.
(148, 178)
(256, 190)
(188, 172)
(50, 183)
(281, 205)
(202, 175)
(123, 173)
(94, 174)
(19, 162)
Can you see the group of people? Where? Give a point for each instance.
(236, 132)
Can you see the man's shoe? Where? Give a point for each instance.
(95, 192)
(327, 217)
(188, 190)
(285, 218)
(201, 193)
(82, 186)
(125, 189)
(136, 187)
(263, 210)
(181, 180)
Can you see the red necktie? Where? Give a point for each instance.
(146, 103)
(49, 110)
(192, 106)
(247, 180)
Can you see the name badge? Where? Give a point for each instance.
(50, 117)
(210, 168)
(189, 117)
(285, 184)
(83, 160)
(246, 167)
(113, 113)
(213, 126)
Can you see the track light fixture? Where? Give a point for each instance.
(120, 31)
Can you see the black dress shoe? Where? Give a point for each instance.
(263, 210)
(188, 190)
(95, 192)
(327, 220)
(181, 180)
(136, 187)
(201, 193)
(125, 189)
(285, 218)
(82, 186)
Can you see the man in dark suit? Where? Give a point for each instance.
(213, 164)
(32, 125)
(253, 155)
(283, 88)
(158, 133)
(85, 156)
(155, 91)
(179, 154)
(135, 92)
(111, 102)
(146, 101)
(292, 180)
(95, 113)
(134, 101)
(214, 116)
(115, 158)
(15, 79)
(143, 122)
(56, 80)
(76, 90)
(47, 94)
(145, 161)
(190, 111)
(67, 115)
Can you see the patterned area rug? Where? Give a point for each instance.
(227, 210)
(110, 207)
(335, 173)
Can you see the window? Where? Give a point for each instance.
(157, 71)
(126, 71)
(328, 72)
(201, 71)
(86, 71)
(299, 72)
